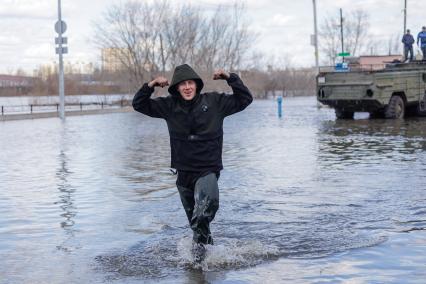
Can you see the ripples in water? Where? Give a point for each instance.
(98, 189)
(160, 258)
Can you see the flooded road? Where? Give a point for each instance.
(93, 201)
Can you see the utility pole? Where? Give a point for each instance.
(60, 28)
(315, 37)
(405, 17)
(341, 33)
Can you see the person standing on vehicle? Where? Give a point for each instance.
(195, 122)
(408, 41)
(421, 41)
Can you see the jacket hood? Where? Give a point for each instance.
(182, 73)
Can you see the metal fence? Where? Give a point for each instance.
(49, 108)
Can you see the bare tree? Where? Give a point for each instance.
(373, 47)
(329, 39)
(150, 37)
(355, 32)
(394, 44)
(229, 33)
(181, 31)
(130, 31)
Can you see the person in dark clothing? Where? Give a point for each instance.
(408, 41)
(421, 41)
(195, 122)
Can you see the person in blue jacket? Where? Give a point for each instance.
(408, 41)
(421, 41)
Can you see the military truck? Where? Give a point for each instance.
(395, 91)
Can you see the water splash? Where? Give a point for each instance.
(228, 254)
(151, 261)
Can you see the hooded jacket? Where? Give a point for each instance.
(195, 126)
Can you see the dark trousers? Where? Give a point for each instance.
(408, 49)
(199, 194)
(424, 52)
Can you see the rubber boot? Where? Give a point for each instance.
(206, 195)
(188, 201)
(198, 252)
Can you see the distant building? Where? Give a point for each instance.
(13, 85)
(111, 59)
(378, 61)
(372, 62)
(15, 81)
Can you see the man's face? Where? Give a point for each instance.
(187, 89)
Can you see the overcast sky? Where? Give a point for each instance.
(27, 33)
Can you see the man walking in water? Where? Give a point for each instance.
(195, 121)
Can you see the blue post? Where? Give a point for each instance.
(280, 103)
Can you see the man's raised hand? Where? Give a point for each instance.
(220, 75)
(158, 82)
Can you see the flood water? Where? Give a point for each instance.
(304, 199)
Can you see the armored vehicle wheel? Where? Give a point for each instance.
(396, 108)
(341, 114)
(377, 114)
(421, 108)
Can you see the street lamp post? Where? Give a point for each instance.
(315, 37)
(61, 41)
(405, 17)
(341, 34)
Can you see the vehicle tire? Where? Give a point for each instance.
(420, 111)
(421, 107)
(377, 114)
(341, 114)
(396, 108)
(411, 111)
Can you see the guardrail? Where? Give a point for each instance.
(45, 108)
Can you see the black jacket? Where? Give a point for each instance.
(195, 126)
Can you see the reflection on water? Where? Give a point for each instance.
(361, 138)
(96, 197)
(66, 200)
